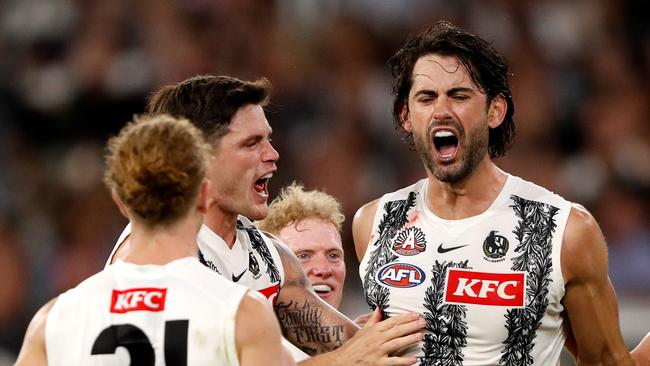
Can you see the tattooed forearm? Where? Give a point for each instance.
(301, 323)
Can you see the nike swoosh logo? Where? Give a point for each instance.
(441, 249)
(236, 278)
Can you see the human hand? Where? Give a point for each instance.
(362, 319)
(377, 340)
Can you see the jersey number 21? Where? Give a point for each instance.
(138, 345)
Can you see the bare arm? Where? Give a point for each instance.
(33, 352)
(314, 326)
(362, 227)
(590, 300)
(257, 334)
(306, 320)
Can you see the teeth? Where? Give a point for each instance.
(267, 176)
(444, 134)
(322, 288)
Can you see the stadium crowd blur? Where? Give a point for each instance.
(72, 72)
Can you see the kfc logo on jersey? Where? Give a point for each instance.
(402, 275)
(138, 299)
(410, 242)
(482, 288)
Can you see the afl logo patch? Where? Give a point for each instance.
(495, 247)
(410, 242)
(401, 275)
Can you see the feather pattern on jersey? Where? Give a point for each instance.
(534, 232)
(394, 218)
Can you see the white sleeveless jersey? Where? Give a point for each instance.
(253, 261)
(146, 315)
(490, 286)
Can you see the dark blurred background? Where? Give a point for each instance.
(73, 72)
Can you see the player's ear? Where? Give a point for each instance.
(205, 200)
(405, 118)
(497, 111)
(120, 205)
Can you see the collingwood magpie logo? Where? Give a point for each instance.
(495, 247)
(253, 265)
(410, 242)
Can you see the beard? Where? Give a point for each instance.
(475, 147)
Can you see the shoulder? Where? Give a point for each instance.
(534, 192)
(96, 282)
(584, 251)
(191, 274)
(366, 211)
(37, 325)
(33, 350)
(362, 226)
(289, 261)
(253, 315)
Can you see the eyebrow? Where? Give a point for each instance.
(456, 90)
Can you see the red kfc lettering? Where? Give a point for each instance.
(483, 288)
(138, 299)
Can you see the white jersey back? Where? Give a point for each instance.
(176, 314)
(490, 286)
(253, 261)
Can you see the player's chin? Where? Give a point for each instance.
(258, 211)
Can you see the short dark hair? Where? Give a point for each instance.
(209, 102)
(486, 67)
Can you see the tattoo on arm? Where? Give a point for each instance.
(306, 320)
(302, 323)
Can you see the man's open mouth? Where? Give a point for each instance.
(262, 185)
(446, 144)
(322, 289)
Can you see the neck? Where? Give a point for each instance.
(468, 197)
(162, 244)
(223, 224)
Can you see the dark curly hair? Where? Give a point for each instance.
(486, 67)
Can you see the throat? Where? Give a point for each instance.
(465, 199)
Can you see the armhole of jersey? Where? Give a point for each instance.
(50, 337)
(559, 243)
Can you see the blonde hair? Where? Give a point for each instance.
(295, 204)
(156, 165)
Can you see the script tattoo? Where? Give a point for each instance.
(302, 323)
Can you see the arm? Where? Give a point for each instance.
(33, 352)
(362, 227)
(590, 300)
(314, 326)
(306, 320)
(257, 334)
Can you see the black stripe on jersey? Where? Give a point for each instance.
(260, 247)
(446, 324)
(394, 218)
(208, 263)
(534, 232)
